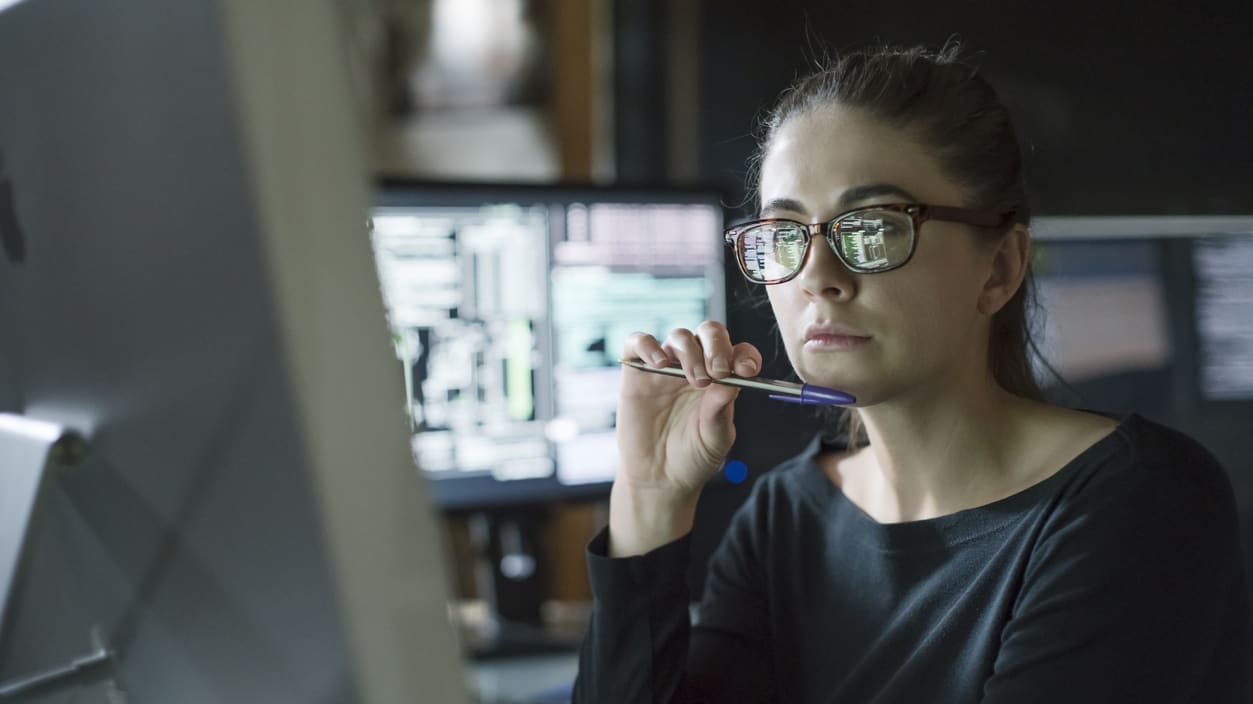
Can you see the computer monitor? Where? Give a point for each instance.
(185, 280)
(509, 307)
(1122, 296)
(1103, 305)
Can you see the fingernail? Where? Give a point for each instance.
(720, 365)
(747, 366)
(660, 360)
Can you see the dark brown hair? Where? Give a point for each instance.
(942, 102)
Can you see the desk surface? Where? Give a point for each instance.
(527, 679)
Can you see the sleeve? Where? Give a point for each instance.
(1135, 595)
(635, 646)
(640, 645)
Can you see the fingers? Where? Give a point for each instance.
(708, 351)
(641, 345)
(683, 345)
(715, 341)
(703, 354)
(722, 358)
(747, 359)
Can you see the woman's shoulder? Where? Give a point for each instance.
(1146, 494)
(1166, 453)
(1112, 445)
(1157, 466)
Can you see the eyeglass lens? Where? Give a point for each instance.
(867, 241)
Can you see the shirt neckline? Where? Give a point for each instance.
(960, 526)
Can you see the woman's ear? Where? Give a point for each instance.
(1010, 260)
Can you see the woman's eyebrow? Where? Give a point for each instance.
(788, 204)
(856, 194)
(848, 199)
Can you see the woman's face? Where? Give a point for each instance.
(878, 336)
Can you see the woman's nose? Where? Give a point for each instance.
(823, 274)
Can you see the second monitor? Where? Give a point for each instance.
(509, 307)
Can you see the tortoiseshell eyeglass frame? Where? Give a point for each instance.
(918, 214)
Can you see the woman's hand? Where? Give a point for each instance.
(672, 433)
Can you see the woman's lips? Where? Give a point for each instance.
(834, 342)
(832, 337)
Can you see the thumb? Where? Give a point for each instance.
(717, 414)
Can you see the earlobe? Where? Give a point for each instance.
(1009, 266)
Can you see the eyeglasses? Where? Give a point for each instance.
(868, 240)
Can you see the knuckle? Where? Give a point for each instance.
(638, 340)
(680, 335)
(711, 327)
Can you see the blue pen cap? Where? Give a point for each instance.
(817, 396)
(823, 395)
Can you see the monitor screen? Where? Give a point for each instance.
(1104, 307)
(1149, 314)
(1153, 311)
(1223, 269)
(509, 308)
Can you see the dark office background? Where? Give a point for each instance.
(1122, 108)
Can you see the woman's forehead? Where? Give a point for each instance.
(829, 158)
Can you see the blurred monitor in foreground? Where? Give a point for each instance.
(181, 286)
(509, 307)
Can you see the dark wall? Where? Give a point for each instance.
(1122, 107)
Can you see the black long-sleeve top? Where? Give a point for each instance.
(1117, 579)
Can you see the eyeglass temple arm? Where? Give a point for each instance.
(981, 218)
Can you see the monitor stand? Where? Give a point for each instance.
(31, 451)
(509, 571)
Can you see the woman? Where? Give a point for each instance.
(977, 544)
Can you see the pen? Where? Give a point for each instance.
(808, 394)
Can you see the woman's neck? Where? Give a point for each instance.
(934, 454)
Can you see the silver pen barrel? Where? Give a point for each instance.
(781, 387)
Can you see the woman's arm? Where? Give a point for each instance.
(640, 645)
(672, 435)
(636, 643)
